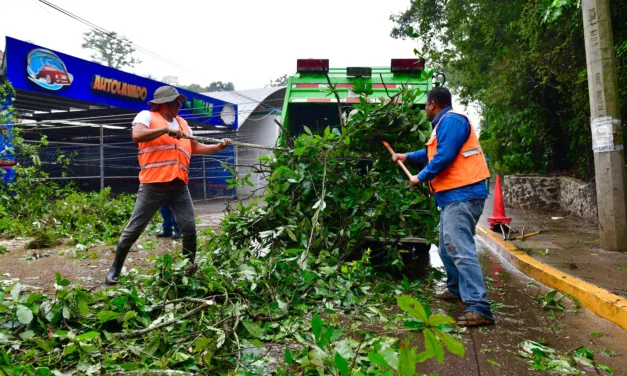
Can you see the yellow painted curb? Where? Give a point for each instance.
(600, 301)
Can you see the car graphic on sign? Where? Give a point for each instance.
(47, 70)
(53, 75)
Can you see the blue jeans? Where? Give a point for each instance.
(459, 254)
(169, 222)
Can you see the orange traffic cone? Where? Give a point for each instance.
(498, 213)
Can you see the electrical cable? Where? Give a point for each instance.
(132, 114)
(115, 36)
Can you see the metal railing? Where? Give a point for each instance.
(97, 158)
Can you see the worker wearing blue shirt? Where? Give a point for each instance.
(456, 172)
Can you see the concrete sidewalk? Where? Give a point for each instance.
(565, 256)
(573, 247)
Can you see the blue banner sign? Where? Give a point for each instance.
(37, 69)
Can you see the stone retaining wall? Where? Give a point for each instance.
(572, 196)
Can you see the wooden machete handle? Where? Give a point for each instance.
(399, 162)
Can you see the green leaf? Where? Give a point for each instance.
(452, 345)
(414, 324)
(295, 250)
(289, 359)
(391, 357)
(105, 316)
(406, 360)
(32, 298)
(221, 336)
(300, 151)
(129, 315)
(291, 234)
(180, 356)
(413, 307)
(253, 329)
(201, 343)
(316, 327)
(439, 319)
(60, 281)
(344, 348)
(318, 357)
(307, 130)
(341, 364)
(61, 333)
(43, 371)
(15, 292)
(433, 346)
(28, 334)
(328, 334)
(494, 362)
(596, 334)
(44, 345)
(82, 302)
(605, 368)
(576, 301)
(88, 335)
(378, 359)
(69, 349)
(167, 261)
(24, 314)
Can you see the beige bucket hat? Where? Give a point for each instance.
(165, 94)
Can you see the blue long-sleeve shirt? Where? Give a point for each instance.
(453, 131)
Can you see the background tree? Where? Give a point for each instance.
(220, 86)
(214, 86)
(195, 88)
(110, 49)
(281, 81)
(529, 74)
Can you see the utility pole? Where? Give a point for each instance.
(607, 140)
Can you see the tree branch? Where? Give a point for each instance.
(138, 333)
(337, 96)
(155, 372)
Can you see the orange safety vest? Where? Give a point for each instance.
(165, 158)
(468, 167)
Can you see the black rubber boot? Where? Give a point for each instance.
(116, 268)
(189, 252)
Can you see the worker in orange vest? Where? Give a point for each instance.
(164, 158)
(456, 173)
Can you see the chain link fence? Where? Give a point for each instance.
(97, 157)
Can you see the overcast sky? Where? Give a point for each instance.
(247, 42)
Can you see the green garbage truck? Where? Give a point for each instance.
(309, 102)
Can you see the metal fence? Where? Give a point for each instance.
(97, 157)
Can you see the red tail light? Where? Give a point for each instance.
(407, 65)
(312, 65)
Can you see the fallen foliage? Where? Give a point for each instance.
(286, 288)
